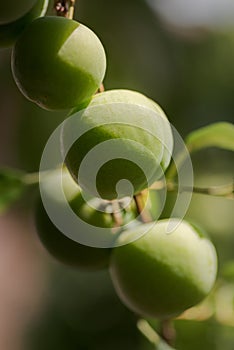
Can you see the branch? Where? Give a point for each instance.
(226, 191)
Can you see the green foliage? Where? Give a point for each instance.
(215, 135)
(12, 187)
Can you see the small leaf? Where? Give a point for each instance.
(215, 135)
(11, 188)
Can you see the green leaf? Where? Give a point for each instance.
(215, 135)
(227, 271)
(11, 188)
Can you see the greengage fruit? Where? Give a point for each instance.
(160, 275)
(65, 249)
(58, 63)
(9, 32)
(12, 10)
(57, 244)
(126, 135)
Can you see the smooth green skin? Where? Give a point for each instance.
(60, 246)
(58, 63)
(11, 31)
(160, 275)
(12, 10)
(148, 150)
(66, 250)
(129, 96)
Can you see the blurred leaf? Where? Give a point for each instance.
(194, 335)
(11, 188)
(215, 135)
(227, 271)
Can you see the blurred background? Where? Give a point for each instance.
(181, 54)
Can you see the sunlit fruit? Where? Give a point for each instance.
(58, 63)
(162, 274)
(120, 135)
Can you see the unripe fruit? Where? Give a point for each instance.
(58, 63)
(12, 10)
(10, 32)
(66, 250)
(60, 246)
(160, 275)
(136, 137)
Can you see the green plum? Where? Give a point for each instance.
(12, 10)
(162, 274)
(136, 138)
(9, 32)
(57, 243)
(58, 63)
(60, 246)
(65, 249)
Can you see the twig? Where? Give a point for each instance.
(148, 331)
(226, 191)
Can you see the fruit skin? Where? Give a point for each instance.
(160, 275)
(66, 250)
(106, 117)
(12, 10)
(11, 31)
(58, 63)
(60, 246)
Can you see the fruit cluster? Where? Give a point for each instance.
(60, 64)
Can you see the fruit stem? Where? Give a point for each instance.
(65, 8)
(116, 214)
(140, 205)
(71, 9)
(168, 332)
(101, 88)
